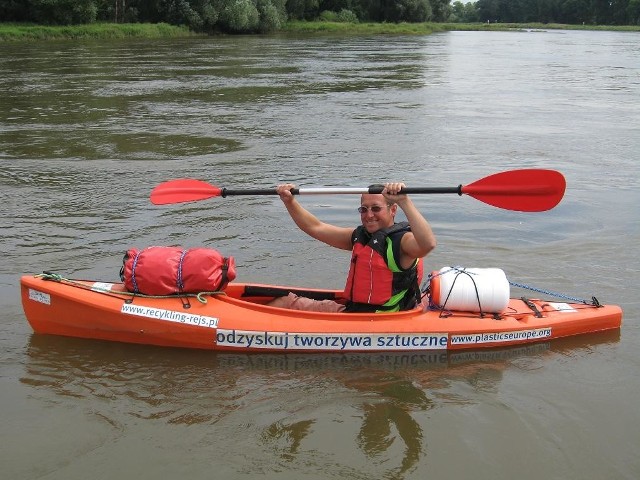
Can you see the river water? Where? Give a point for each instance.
(89, 128)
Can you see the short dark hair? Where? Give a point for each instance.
(380, 186)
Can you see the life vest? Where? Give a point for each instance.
(376, 282)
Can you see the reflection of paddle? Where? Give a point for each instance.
(527, 190)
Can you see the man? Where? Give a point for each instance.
(386, 262)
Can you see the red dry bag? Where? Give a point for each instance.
(175, 270)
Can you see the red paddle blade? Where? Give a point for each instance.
(183, 190)
(526, 190)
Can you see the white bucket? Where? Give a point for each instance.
(470, 289)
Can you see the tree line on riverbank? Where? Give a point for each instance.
(251, 16)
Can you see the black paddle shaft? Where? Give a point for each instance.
(226, 192)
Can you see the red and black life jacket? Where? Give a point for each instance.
(376, 281)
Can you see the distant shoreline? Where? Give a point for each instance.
(30, 32)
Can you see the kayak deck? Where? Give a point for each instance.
(238, 319)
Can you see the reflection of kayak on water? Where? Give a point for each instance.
(238, 319)
(382, 394)
(107, 363)
(61, 351)
(378, 401)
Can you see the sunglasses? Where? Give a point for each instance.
(373, 208)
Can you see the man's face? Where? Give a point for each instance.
(375, 213)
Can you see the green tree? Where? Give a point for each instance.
(463, 13)
(601, 10)
(303, 9)
(574, 12)
(15, 11)
(487, 10)
(633, 12)
(240, 16)
(62, 12)
(180, 12)
(273, 14)
(619, 12)
(439, 10)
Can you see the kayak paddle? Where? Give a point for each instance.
(525, 190)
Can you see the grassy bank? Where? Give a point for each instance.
(426, 28)
(537, 26)
(10, 31)
(363, 28)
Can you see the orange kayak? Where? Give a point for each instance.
(239, 320)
